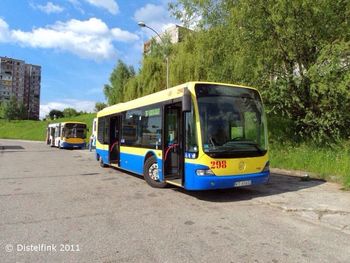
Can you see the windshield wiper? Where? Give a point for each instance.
(250, 143)
(254, 144)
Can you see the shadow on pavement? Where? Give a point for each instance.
(11, 147)
(278, 184)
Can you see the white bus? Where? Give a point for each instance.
(66, 134)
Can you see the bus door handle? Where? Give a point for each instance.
(172, 148)
(113, 145)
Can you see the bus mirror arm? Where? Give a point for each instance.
(186, 101)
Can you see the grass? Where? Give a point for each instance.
(36, 130)
(329, 163)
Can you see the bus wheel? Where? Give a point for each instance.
(102, 164)
(150, 172)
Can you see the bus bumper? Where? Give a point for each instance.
(73, 145)
(223, 182)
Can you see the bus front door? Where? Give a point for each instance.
(172, 144)
(114, 140)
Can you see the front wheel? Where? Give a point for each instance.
(150, 172)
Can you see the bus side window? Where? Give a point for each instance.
(100, 131)
(106, 131)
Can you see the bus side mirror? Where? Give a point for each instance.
(186, 101)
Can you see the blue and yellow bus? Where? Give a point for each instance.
(70, 134)
(198, 135)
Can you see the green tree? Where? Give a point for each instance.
(10, 109)
(1, 110)
(55, 114)
(70, 112)
(22, 112)
(295, 52)
(279, 50)
(100, 106)
(114, 91)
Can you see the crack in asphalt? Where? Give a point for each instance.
(320, 212)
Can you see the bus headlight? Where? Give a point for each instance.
(267, 167)
(204, 172)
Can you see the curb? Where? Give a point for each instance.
(297, 173)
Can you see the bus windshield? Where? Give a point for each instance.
(232, 121)
(75, 130)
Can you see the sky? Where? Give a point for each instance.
(78, 43)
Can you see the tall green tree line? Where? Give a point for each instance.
(297, 53)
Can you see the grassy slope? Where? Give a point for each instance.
(332, 164)
(36, 130)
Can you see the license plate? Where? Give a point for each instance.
(243, 183)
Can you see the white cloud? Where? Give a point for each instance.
(4, 31)
(49, 8)
(93, 26)
(88, 39)
(79, 105)
(109, 5)
(123, 36)
(155, 16)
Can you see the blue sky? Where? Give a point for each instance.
(77, 43)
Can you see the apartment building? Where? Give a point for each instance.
(175, 34)
(22, 81)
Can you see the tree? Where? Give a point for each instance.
(70, 112)
(22, 112)
(10, 109)
(55, 114)
(295, 52)
(114, 91)
(100, 106)
(279, 49)
(1, 110)
(13, 110)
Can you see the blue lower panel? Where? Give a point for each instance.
(132, 162)
(129, 162)
(194, 182)
(72, 145)
(103, 154)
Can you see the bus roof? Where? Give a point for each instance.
(63, 123)
(163, 95)
(77, 122)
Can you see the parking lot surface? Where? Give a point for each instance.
(60, 206)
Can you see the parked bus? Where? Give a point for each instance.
(198, 135)
(66, 134)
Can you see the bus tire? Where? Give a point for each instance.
(102, 164)
(150, 174)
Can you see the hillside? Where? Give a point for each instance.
(36, 130)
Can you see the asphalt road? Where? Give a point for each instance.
(62, 200)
